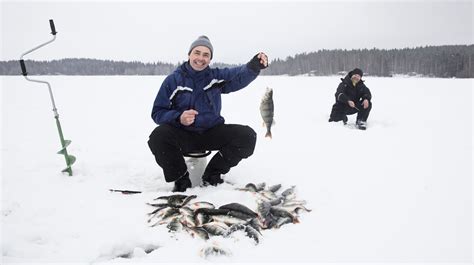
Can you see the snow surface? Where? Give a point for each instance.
(398, 192)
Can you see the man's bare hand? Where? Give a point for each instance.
(365, 103)
(351, 104)
(187, 117)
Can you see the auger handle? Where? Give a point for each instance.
(22, 62)
(23, 68)
(53, 28)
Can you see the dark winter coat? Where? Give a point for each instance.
(346, 91)
(188, 89)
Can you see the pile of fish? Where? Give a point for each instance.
(275, 209)
(180, 212)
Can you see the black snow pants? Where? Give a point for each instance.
(168, 144)
(340, 110)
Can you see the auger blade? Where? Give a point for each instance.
(70, 160)
(66, 144)
(68, 170)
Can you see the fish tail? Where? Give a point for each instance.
(269, 134)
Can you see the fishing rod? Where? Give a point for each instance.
(64, 143)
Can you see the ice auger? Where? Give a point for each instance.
(64, 143)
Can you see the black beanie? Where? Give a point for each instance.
(356, 71)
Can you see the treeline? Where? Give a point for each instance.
(90, 67)
(86, 67)
(435, 61)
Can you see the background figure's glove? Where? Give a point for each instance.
(255, 64)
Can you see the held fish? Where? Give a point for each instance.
(266, 110)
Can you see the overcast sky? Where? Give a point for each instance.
(162, 31)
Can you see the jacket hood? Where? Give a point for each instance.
(348, 80)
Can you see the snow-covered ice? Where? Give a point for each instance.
(399, 192)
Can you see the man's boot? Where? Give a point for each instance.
(181, 184)
(362, 125)
(217, 166)
(213, 180)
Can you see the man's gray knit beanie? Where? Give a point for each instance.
(202, 41)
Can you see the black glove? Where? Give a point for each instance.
(255, 64)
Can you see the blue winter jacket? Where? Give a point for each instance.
(186, 89)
